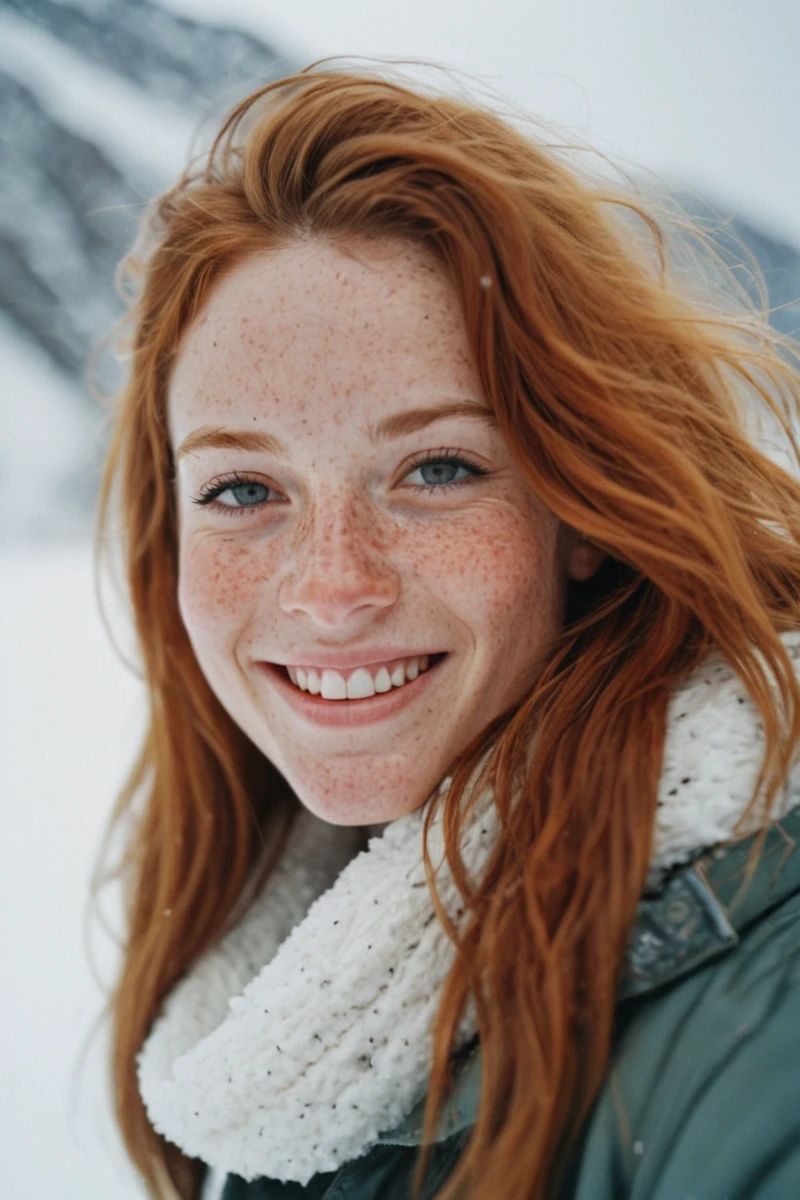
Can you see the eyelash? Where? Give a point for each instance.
(453, 458)
(209, 492)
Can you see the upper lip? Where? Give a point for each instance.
(349, 660)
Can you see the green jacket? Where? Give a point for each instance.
(702, 1097)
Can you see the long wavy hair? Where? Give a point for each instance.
(622, 401)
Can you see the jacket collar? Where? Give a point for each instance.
(699, 914)
(702, 910)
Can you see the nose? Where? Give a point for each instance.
(338, 571)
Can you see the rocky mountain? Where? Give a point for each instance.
(101, 103)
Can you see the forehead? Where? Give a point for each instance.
(313, 324)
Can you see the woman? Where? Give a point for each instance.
(442, 516)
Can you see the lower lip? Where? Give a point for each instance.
(348, 714)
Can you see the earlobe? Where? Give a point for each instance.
(584, 560)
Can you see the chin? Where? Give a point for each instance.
(358, 797)
(344, 810)
(359, 790)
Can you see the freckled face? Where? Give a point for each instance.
(351, 521)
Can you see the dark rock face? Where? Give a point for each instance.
(67, 214)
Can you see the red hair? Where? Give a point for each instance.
(621, 401)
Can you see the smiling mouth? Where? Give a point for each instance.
(362, 683)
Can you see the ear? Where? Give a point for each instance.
(583, 557)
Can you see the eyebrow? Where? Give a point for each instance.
(212, 437)
(418, 418)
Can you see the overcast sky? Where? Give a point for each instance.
(705, 91)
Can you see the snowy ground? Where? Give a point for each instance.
(70, 723)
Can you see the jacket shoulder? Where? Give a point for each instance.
(703, 1094)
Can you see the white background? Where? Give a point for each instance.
(703, 91)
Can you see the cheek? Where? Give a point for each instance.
(497, 572)
(216, 586)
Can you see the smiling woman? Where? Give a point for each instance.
(442, 516)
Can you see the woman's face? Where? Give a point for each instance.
(364, 576)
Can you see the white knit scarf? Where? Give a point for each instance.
(306, 1032)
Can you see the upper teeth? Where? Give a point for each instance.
(358, 684)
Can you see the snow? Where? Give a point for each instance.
(45, 443)
(71, 721)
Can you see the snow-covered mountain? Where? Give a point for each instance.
(168, 55)
(101, 103)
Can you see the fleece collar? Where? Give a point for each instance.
(305, 1034)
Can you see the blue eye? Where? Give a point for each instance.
(444, 471)
(441, 471)
(244, 495)
(236, 494)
